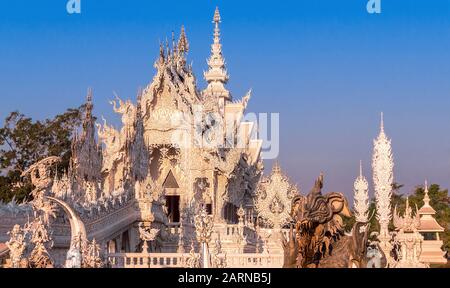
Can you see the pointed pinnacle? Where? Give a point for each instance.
(216, 18)
(89, 95)
(382, 122)
(426, 198)
(276, 167)
(360, 169)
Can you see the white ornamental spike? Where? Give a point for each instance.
(361, 197)
(383, 177)
(383, 165)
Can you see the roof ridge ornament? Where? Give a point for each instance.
(426, 198)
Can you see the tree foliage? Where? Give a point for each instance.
(24, 142)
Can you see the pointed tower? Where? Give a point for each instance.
(361, 197)
(383, 177)
(86, 161)
(138, 150)
(217, 76)
(183, 44)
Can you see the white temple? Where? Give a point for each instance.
(179, 150)
(181, 184)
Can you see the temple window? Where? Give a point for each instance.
(173, 208)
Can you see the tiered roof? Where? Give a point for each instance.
(427, 221)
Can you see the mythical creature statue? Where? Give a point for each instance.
(147, 234)
(318, 238)
(375, 257)
(41, 239)
(73, 258)
(218, 260)
(16, 245)
(193, 260)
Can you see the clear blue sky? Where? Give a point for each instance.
(327, 66)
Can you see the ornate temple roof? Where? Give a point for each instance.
(427, 222)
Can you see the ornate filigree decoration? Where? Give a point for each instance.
(147, 234)
(383, 165)
(407, 223)
(408, 238)
(193, 261)
(91, 254)
(274, 197)
(39, 257)
(204, 225)
(219, 258)
(40, 174)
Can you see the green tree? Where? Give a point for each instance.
(24, 142)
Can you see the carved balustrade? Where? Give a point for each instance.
(178, 260)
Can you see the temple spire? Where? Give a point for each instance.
(383, 177)
(183, 44)
(276, 167)
(360, 169)
(89, 105)
(217, 76)
(382, 123)
(88, 121)
(426, 198)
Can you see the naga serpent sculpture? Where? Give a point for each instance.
(78, 234)
(317, 238)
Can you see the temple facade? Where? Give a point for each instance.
(179, 150)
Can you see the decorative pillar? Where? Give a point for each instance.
(180, 237)
(361, 197)
(204, 227)
(383, 166)
(242, 238)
